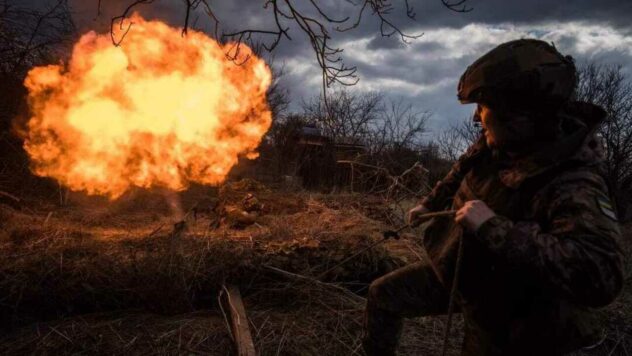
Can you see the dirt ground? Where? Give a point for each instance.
(88, 276)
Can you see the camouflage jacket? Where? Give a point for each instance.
(530, 275)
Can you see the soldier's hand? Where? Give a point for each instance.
(473, 214)
(414, 213)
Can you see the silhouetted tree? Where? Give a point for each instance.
(609, 87)
(348, 115)
(453, 141)
(29, 37)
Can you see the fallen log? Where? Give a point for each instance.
(231, 301)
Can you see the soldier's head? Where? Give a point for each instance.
(519, 87)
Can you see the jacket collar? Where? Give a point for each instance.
(547, 157)
(579, 143)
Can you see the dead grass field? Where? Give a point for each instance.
(93, 277)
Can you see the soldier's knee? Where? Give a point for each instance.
(378, 290)
(374, 291)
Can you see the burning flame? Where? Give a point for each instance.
(158, 110)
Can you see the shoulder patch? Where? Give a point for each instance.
(606, 208)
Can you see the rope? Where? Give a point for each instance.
(322, 275)
(455, 279)
(387, 235)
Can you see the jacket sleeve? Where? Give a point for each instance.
(443, 192)
(575, 252)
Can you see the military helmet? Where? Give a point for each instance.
(524, 72)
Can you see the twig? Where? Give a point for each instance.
(310, 279)
(156, 230)
(10, 196)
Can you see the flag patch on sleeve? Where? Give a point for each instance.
(606, 208)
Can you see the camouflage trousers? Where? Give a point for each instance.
(411, 291)
(415, 291)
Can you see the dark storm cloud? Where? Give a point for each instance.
(430, 77)
(429, 72)
(430, 14)
(430, 47)
(425, 72)
(565, 41)
(381, 42)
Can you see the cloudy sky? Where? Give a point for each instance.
(425, 71)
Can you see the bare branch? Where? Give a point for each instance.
(609, 87)
(453, 141)
(121, 19)
(457, 6)
(313, 21)
(29, 37)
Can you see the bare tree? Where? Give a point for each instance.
(280, 144)
(382, 125)
(609, 87)
(400, 125)
(29, 37)
(278, 96)
(32, 36)
(347, 115)
(399, 129)
(390, 132)
(453, 141)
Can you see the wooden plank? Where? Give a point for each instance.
(234, 305)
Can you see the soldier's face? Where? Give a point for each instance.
(504, 130)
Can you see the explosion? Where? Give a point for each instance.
(158, 110)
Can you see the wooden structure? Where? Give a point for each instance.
(317, 161)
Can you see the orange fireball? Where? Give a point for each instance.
(158, 110)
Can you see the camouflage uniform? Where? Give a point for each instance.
(530, 275)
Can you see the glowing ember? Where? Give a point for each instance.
(159, 110)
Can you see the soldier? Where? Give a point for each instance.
(538, 231)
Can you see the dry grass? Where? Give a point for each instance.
(123, 333)
(67, 273)
(102, 278)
